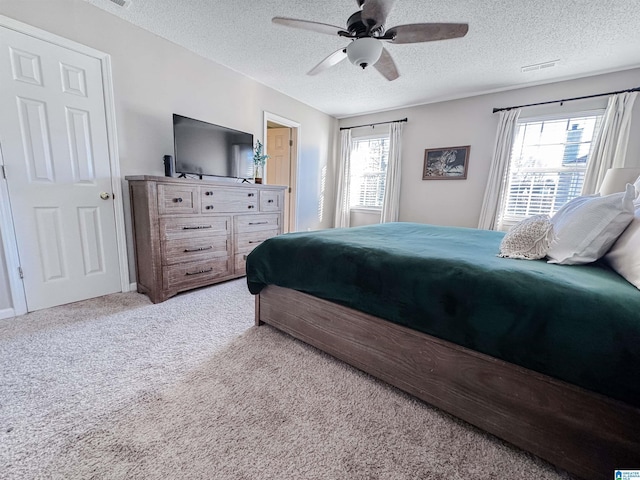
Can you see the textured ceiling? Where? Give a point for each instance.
(586, 36)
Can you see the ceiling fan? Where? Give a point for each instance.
(366, 29)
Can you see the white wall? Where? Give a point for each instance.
(154, 78)
(359, 217)
(470, 121)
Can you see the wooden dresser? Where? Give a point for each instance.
(191, 233)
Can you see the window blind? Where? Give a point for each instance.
(369, 159)
(548, 165)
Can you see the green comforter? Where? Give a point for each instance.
(580, 324)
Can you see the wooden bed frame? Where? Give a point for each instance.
(583, 432)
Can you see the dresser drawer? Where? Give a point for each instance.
(194, 249)
(193, 227)
(177, 199)
(253, 223)
(193, 274)
(227, 200)
(245, 242)
(271, 201)
(241, 263)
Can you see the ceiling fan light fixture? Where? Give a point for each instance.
(364, 51)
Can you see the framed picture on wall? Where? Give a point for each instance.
(446, 163)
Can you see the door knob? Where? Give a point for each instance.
(105, 196)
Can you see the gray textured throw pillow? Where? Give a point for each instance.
(529, 239)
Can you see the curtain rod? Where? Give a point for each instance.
(636, 89)
(372, 124)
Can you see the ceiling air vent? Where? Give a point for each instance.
(121, 3)
(537, 66)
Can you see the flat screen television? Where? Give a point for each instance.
(205, 149)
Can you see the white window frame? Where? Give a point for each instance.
(505, 224)
(372, 136)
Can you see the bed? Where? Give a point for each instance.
(544, 356)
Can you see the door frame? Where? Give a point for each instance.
(9, 240)
(296, 135)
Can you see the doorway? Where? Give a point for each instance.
(282, 140)
(63, 212)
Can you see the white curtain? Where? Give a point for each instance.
(391, 201)
(499, 171)
(344, 178)
(610, 145)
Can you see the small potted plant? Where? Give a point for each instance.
(259, 159)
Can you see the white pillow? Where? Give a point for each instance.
(587, 226)
(624, 256)
(528, 239)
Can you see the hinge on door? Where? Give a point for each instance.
(20, 272)
(4, 173)
(289, 189)
(291, 143)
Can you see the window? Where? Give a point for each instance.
(369, 157)
(548, 164)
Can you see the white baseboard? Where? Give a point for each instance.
(10, 312)
(7, 313)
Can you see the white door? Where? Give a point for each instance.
(54, 143)
(279, 164)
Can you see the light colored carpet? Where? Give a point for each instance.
(118, 388)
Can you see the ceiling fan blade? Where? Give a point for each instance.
(426, 32)
(307, 25)
(375, 12)
(333, 59)
(386, 66)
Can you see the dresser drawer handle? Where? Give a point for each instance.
(251, 206)
(258, 223)
(200, 271)
(200, 249)
(208, 192)
(177, 200)
(255, 241)
(209, 207)
(269, 201)
(197, 227)
(251, 194)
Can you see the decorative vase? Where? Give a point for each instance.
(257, 174)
